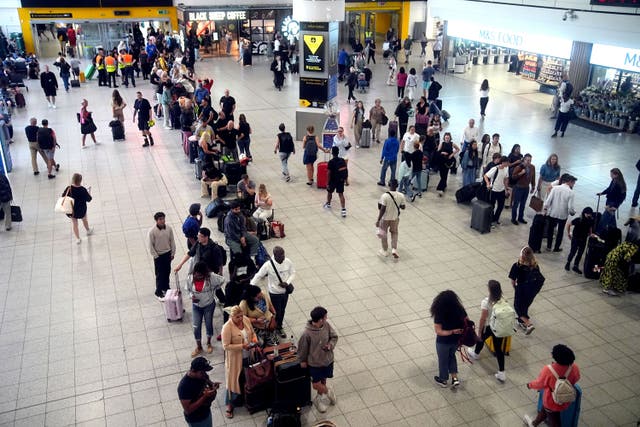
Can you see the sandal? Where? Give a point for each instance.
(228, 414)
(209, 348)
(196, 352)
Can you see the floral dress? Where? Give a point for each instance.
(615, 274)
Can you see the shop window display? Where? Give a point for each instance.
(606, 104)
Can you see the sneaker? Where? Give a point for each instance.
(527, 420)
(455, 382)
(332, 396)
(576, 269)
(413, 198)
(343, 213)
(309, 182)
(394, 252)
(327, 206)
(381, 184)
(54, 107)
(514, 222)
(36, 172)
(500, 376)
(90, 231)
(51, 176)
(383, 253)
(319, 404)
(529, 329)
(440, 193)
(557, 250)
(611, 292)
(146, 144)
(288, 178)
(196, 352)
(554, 134)
(567, 266)
(78, 241)
(8, 228)
(472, 354)
(441, 383)
(282, 333)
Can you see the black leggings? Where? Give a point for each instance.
(497, 346)
(444, 174)
(523, 299)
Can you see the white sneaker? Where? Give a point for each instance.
(529, 329)
(78, 241)
(90, 231)
(49, 104)
(54, 106)
(383, 253)
(472, 354)
(319, 404)
(394, 252)
(500, 376)
(527, 420)
(332, 396)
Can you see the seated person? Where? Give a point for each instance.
(264, 204)
(212, 177)
(238, 239)
(246, 192)
(257, 306)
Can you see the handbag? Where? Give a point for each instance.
(384, 120)
(536, 203)
(64, 204)
(288, 286)
(16, 214)
(259, 371)
(572, 114)
(277, 229)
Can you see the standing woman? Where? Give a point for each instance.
(563, 115)
(187, 118)
(446, 154)
(80, 196)
(237, 338)
(356, 121)
(244, 136)
(448, 318)
(310, 146)
(401, 82)
(616, 192)
(486, 307)
(527, 281)
(117, 106)
(201, 286)
(402, 114)
(549, 172)
(87, 126)
(484, 96)
(470, 164)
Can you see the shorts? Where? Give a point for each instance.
(50, 92)
(49, 153)
(338, 187)
(320, 373)
(425, 85)
(308, 160)
(143, 124)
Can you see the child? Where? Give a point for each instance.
(392, 70)
(404, 174)
(582, 229)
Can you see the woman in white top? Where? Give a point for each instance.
(484, 96)
(486, 307)
(409, 138)
(563, 116)
(264, 204)
(412, 84)
(340, 141)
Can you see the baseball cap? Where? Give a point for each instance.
(194, 209)
(200, 364)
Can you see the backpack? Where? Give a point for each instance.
(535, 280)
(563, 392)
(262, 256)
(286, 143)
(222, 253)
(468, 337)
(503, 319)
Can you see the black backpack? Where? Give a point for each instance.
(535, 280)
(286, 142)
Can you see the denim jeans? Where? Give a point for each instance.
(243, 146)
(418, 177)
(65, 80)
(405, 186)
(198, 314)
(520, 195)
(383, 172)
(447, 363)
(468, 176)
(284, 159)
(207, 422)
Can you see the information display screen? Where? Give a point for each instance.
(630, 3)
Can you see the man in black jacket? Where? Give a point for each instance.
(5, 200)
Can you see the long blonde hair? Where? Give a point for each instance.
(262, 191)
(527, 257)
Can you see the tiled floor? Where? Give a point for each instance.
(83, 341)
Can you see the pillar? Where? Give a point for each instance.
(580, 67)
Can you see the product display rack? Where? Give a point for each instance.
(551, 71)
(600, 104)
(530, 67)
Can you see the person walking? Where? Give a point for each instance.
(558, 206)
(357, 119)
(65, 72)
(402, 115)
(87, 126)
(244, 136)
(527, 281)
(563, 366)
(563, 116)
(284, 148)
(144, 112)
(197, 393)
(616, 192)
(449, 320)
(201, 286)
(417, 158)
(549, 172)
(371, 51)
(310, 146)
(81, 196)
(280, 273)
(412, 84)
(340, 141)
(486, 312)
(315, 351)
(408, 42)
(388, 220)
(31, 133)
(446, 159)
(484, 97)
(524, 176)
(389, 157)
(238, 337)
(497, 182)
(470, 164)
(404, 173)
(376, 117)
(49, 85)
(47, 142)
(582, 230)
(352, 81)
(162, 247)
(117, 106)
(433, 93)
(401, 83)
(6, 197)
(337, 176)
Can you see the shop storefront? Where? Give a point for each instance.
(536, 57)
(94, 26)
(369, 19)
(613, 96)
(257, 26)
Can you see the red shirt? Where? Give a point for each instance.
(71, 35)
(198, 284)
(547, 382)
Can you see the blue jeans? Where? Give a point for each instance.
(468, 176)
(284, 159)
(65, 80)
(198, 314)
(447, 363)
(383, 172)
(405, 186)
(418, 177)
(207, 422)
(243, 146)
(520, 195)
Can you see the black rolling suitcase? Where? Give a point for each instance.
(481, 213)
(536, 232)
(258, 398)
(594, 258)
(293, 386)
(247, 57)
(467, 193)
(117, 130)
(234, 172)
(174, 115)
(75, 83)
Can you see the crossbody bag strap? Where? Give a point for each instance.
(273, 264)
(394, 201)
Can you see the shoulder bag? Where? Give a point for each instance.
(64, 204)
(394, 202)
(259, 371)
(536, 202)
(288, 286)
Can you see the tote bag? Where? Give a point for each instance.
(64, 204)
